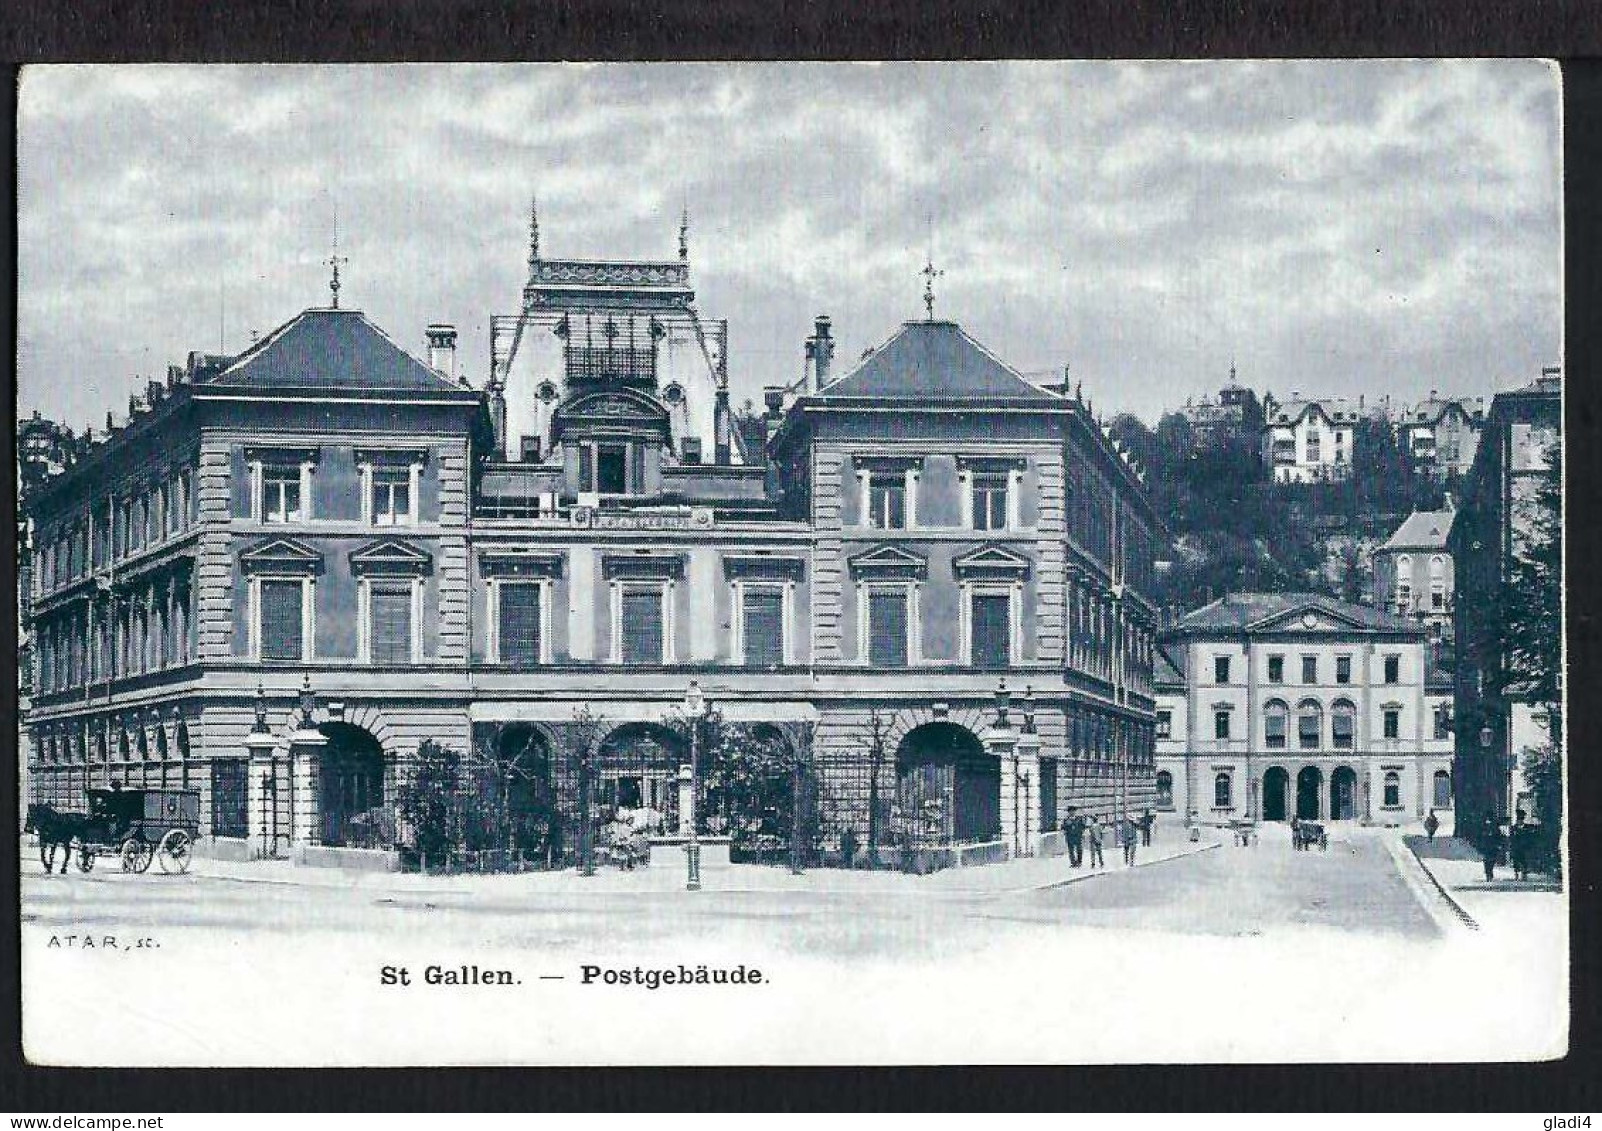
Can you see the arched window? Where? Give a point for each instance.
(1393, 789)
(1443, 789)
(122, 745)
(1165, 789)
(1437, 583)
(1404, 583)
(1343, 717)
(1222, 793)
(1309, 724)
(1275, 720)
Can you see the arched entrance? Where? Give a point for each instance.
(1276, 793)
(637, 767)
(948, 789)
(1309, 784)
(351, 789)
(1343, 794)
(517, 812)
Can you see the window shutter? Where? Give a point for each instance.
(586, 468)
(990, 631)
(642, 628)
(391, 626)
(519, 624)
(281, 620)
(763, 630)
(1274, 728)
(887, 630)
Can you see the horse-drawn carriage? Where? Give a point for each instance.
(136, 825)
(1306, 834)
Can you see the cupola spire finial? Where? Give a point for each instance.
(335, 261)
(930, 274)
(533, 231)
(684, 233)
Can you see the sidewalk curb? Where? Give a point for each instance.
(1181, 855)
(1410, 866)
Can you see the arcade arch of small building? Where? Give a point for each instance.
(948, 787)
(1309, 794)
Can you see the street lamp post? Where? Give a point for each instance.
(1488, 736)
(694, 708)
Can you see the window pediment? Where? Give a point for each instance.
(281, 555)
(647, 567)
(763, 567)
(281, 455)
(889, 562)
(515, 563)
(392, 455)
(390, 557)
(888, 464)
(991, 562)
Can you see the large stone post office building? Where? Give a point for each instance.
(284, 570)
(1280, 705)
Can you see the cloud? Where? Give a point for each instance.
(1334, 227)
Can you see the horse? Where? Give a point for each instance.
(55, 828)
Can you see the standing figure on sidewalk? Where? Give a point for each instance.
(1093, 834)
(1128, 837)
(1490, 846)
(1074, 831)
(1518, 846)
(1146, 822)
(1431, 823)
(1296, 833)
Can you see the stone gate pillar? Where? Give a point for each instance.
(306, 747)
(1001, 743)
(261, 793)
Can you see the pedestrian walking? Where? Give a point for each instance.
(1128, 837)
(1147, 820)
(1296, 833)
(1490, 847)
(1518, 846)
(1093, 835)
(1431, 823)
(1074, 830)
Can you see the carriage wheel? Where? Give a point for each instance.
(136, 855)
(86, 858)
(174, 851)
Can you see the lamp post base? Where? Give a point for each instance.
(692, 857)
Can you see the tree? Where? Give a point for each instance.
(583, 736)
(430, 801)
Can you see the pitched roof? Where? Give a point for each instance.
(1421, 530)
(330, 349)
(935, 360)
(1164, 671)
(1237, 612)
(1431, 410)
(1339, 411)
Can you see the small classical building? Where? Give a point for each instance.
(1441, 434)
(1413, 577)
(1308, 441)
(1276, 705)
(287, 569)
(1500, 496)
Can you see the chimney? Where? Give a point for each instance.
(442, 348)
(498, 417)
(823, 349)
(721, 427)
(530, 449)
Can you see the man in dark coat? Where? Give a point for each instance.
(1146, 822)
(1074, 831)
(1490, 846)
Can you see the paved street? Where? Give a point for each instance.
(1229, 891)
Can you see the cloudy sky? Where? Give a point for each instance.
(1337, 228)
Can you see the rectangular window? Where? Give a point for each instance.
(762, 627)
(230, 808)
(1343, 669)
(1393, 723)
(518, 623)
(887, 629)
(1222, 793)
(1220, 724)
(1404, 597)
(1274, 730)
(991, 631)
(1393, 790)
(390, 624)
(282, 626)
(280, 494)
(612, 469)
(989, 501)
(392, 496)
(1309, 669)
(1393, 669)
(887, 502)
(1165, 724)
(641, 635)
(1220, 669)
(1437, 598)
(1276, 669)
(1443, 722)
